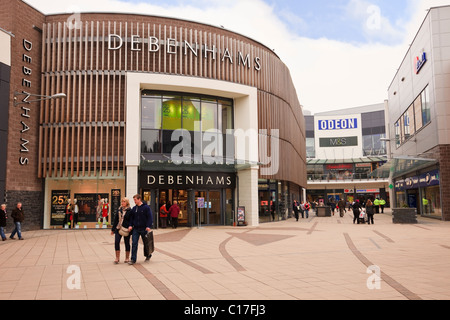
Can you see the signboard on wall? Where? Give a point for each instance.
(59, 202)
(240, 215)
(185, 180)
(338, 142)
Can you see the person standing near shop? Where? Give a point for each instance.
(174, 211)
(3, 218)
(18, 216)
(163, 216)
(121, 221)
(141, 221)
(369, 211)
(376, 203)
(382, 204)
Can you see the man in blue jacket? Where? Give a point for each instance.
(141, 221)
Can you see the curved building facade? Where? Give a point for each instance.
(173, 110)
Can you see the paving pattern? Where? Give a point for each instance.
(313, 259)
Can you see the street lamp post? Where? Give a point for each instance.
(35, 97)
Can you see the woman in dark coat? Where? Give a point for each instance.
(122, 219)
(369, 211)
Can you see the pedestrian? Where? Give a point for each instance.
(302, 209)
(3, 217)
(332, 204)
(120, 229)
(341, 206)
(18, 217)
(356, 211)
(141, 221)
(174, 211)
(376, 203)
(369, 211)
(163, 216)
(295, 207)
(307, 208)
(382, 204)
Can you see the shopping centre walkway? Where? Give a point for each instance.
(315, 258)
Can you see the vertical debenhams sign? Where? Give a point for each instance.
(25, 111)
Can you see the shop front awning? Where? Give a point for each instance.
(399, 166)
(164, 163)
(346, 161)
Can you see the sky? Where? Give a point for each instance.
(340, 53)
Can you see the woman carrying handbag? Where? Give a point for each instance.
(120, 229)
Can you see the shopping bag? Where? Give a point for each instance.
(149, 244)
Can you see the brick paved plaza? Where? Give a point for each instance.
(314, 259)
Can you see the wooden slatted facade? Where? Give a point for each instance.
(84, 135)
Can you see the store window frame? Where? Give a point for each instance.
(223, 119)
(414, 119)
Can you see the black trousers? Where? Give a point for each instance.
(370, 218)
(126, 240)
(356, 216)
(174, 222)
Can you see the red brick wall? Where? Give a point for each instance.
(19, 18)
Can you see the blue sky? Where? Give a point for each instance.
(340, 53)
(341, 20)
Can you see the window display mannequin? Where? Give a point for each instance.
(69, 213)
(105, 210)
(75, 213)
(99, 208)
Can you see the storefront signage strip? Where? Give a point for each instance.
(154, 44)
(187, 180)
(338, 124)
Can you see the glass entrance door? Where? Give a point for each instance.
(208, 206)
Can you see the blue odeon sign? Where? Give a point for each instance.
(338, 124)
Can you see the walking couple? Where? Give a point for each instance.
(133, 223)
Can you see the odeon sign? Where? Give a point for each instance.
(338, 124)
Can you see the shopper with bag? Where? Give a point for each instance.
(120, 229)
(141, 221)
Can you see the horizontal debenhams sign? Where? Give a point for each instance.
(172, 46)
(186, 180)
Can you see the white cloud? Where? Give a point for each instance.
(327, 74)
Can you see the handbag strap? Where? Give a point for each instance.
(119, 225)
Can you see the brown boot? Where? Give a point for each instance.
(127, 256)
(117, 257)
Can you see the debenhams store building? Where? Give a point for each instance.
(102, 106)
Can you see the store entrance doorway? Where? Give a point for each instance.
(208, 206)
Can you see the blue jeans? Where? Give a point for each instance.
(17, 229)
(135, 241)
(2, 233)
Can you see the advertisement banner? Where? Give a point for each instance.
(60, 199)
